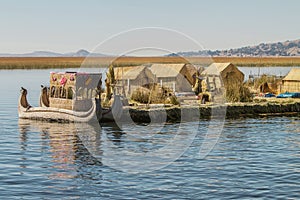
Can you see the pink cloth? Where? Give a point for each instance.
(63, 80)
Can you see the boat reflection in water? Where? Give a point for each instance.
(69, 148)
(61, 146)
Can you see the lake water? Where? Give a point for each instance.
(253, 158)
(258, 71)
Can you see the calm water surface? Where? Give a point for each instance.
(258, 71)
(254, 158)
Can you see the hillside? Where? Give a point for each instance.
(80, 53)
(287, 48)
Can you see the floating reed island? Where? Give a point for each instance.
(215, 111)
(180, 92)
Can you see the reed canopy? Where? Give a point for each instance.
(73, 90)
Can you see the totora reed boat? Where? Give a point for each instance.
(71, 97)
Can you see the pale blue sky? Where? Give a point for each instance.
(66, 26)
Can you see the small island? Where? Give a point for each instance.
(218, 90)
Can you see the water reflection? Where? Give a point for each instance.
(62, 138)
(60, 143)
(115, 134)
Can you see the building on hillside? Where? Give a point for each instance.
(222, 74)
(130, 78)
(178, 77)
(291, 83)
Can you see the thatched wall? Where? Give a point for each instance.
(131, 78)
(290, 86)
(175, 76)
(291, 83)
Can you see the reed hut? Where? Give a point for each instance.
(291, 83)
(265, 88)
(222, 74)
(178, 77)
(130, 78)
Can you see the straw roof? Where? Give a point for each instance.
(134, 72)
(121, 71)
(130, 73)
(293, 75)
(216, 68)
(191, 69)
(166, 70)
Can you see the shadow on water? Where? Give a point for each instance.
(114, 130)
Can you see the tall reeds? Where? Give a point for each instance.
(75, 62)
(237, 92)
(154, 94)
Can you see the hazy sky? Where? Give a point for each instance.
(66, 26)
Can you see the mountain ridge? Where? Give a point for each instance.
(79, 53)
(276, 49)
(287, 48)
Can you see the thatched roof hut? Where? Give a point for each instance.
(267, 88)
(178, 77)
(291, 83)
(131, 78)
(219, 74)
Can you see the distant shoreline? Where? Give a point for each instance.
(75, 62)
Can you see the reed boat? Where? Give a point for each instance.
(71, 97)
